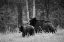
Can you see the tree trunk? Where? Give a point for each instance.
(47, 8)
(27, 10)
(33, 8)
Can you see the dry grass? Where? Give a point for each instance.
(39, 37)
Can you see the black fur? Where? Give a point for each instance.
(48, 28)
(29, 30)
(40, 25)
(37, 24)
(21, 29)
(33, 21)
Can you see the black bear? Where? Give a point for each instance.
(47, 27)
(28, 30)
(40, 25)
(21, 28)
(37, 24)
(52, 29)
(33, 21)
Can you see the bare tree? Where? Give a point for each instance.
(33, 8)
(27, 10)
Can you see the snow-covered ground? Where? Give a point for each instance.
(41, 37)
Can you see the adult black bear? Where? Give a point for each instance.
(47, 27)
(40, 25)
(29, 30)
(37, 24)
(33, 21)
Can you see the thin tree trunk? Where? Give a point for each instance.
(27, 10)
(47, 8)
(33, 8)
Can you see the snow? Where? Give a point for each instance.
(39, 37)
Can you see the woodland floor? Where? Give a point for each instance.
(40, 37)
